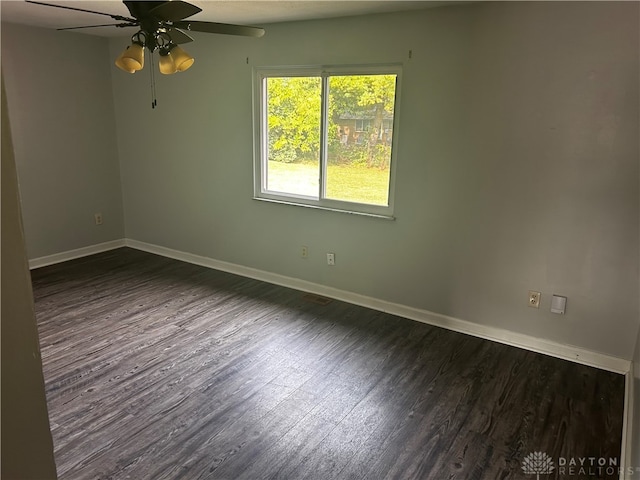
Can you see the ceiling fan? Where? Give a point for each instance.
(161, 26)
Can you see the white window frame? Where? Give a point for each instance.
(261, 138)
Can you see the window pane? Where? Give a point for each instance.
(360, 133)
(293, 127)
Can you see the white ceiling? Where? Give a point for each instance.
(243, 12)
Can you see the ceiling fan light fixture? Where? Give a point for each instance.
(131, 59)
(166, 64)
(181, 59)
(133, 56)
(122, 65)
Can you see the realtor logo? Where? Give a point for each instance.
(537, 463)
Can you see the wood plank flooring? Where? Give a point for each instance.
(157, 369)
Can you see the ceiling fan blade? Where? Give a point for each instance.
(224, 28)
(115, 17)
(178, 36)
(119, 25)
(174, 10)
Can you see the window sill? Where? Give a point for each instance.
(320, 207)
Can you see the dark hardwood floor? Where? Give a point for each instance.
(157, 369)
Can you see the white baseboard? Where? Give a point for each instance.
(527, 342)
(77, 253)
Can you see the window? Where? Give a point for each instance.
(325, 137)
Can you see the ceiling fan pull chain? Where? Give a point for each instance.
(154, 101)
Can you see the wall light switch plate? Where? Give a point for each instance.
(558, 304)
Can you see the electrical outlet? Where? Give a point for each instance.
(304, 251)
(534, 299)
(98, 218)
(331, 258)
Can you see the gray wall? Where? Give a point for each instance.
(61, 108)
(517, 164)
(27, 447)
